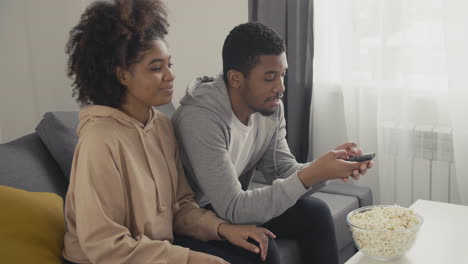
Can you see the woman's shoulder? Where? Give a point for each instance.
(99, 131)
(101, 125)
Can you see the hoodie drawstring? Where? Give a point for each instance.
(158, 199)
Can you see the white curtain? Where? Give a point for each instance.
(392, 75)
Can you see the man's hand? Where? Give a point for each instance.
(332, 165)
(351, 149)
(196, 257)
(239, 234)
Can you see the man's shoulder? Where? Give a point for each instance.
(188, 112)
(196, 116)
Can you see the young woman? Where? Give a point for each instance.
(128, 195)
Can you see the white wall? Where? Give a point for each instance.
(196, 37)
(33, 35)
(32, 62)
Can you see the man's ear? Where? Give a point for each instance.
(123, 75)
(235, 78)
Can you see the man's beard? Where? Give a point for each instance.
(265, 112)
(268, 112)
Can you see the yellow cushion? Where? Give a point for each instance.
(31, 227)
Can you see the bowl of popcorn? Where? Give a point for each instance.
(384, 232)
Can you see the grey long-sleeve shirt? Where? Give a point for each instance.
(203, 127)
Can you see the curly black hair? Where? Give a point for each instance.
(110, 35)
(245, 43)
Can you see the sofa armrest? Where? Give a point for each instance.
(362, 193)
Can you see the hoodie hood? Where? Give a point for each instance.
(98, 111)
(210, 93)
(94, 113)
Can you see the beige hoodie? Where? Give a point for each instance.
(128, 193)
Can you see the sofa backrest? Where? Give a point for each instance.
(26, 164)
(57, 131)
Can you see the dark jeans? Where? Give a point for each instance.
(228, 251)
(68, 262)
(309, 222)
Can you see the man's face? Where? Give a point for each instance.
(263, 88)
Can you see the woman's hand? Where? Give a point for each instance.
(239, 234)
(196, 257)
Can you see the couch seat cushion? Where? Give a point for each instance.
(364, 194)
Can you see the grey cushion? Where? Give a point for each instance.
(364, 194)
(346, 253)
(26, 164)
(58, 132)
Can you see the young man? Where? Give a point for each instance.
(232, 125)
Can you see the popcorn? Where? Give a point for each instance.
(384, 232)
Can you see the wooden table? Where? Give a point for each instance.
(443, 237)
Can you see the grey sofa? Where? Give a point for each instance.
(41, 162)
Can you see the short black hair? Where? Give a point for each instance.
(111, 34)
(245, 43)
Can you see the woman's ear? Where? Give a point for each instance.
(234, 78)
(123, 76)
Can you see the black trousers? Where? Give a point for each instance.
(228, 251)
(309, 222)
(65, 261)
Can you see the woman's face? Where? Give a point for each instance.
(150, 81)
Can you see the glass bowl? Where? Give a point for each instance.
(384, 232)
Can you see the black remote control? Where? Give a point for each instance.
(363, 157)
